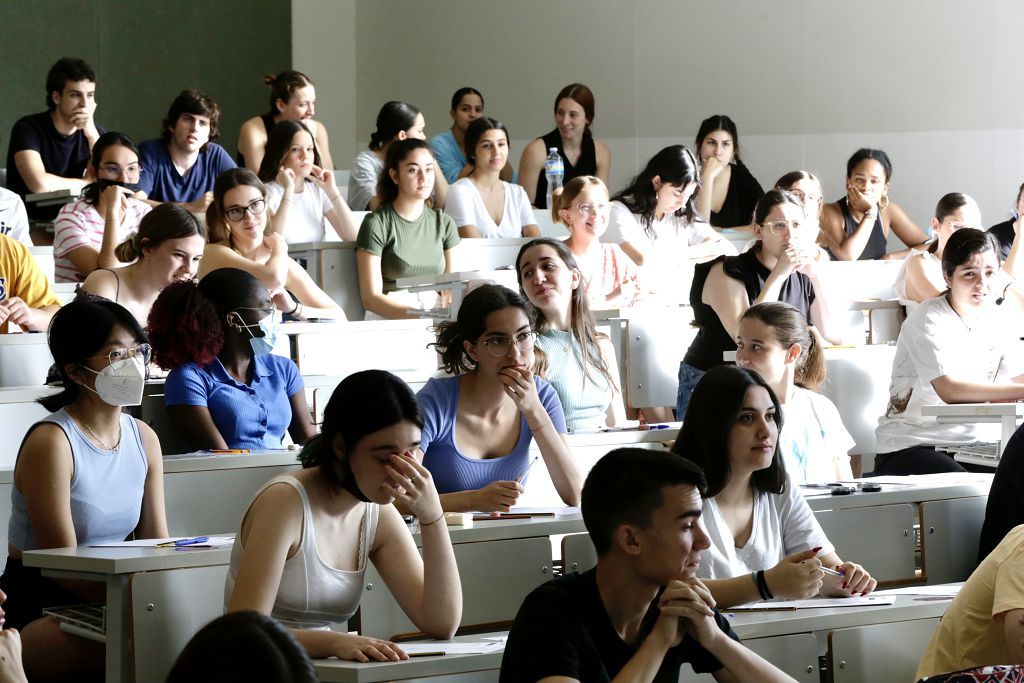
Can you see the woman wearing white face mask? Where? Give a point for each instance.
(85, 474)
(226, 388)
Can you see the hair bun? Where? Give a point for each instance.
(270, 80)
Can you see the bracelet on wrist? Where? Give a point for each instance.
(539, 427)
(295, 308)
(762, 585)
(422, 524)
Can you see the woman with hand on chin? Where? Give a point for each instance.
(404, 236)
(581, 153)
(727, 191)
(314, 197)
(955, 348)
(483, 204)
(775, 340)
(166, 249)
(578, 360)
(480, 422)
(237, 223)
(857, 226)
(781, 266)
(765, 541)
(306, 538)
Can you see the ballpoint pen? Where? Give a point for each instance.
(184, 542)
(528, 468)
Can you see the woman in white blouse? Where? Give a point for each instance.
(765, 541)
(482, 204)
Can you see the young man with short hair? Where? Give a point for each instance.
(50, 150)
(182, 165)
(641, 613)
(26, 298)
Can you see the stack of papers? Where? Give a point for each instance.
(814, 603)
(447, 647)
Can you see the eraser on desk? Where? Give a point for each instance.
(464, 519)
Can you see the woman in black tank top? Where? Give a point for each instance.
(857, 226)
(581, 153)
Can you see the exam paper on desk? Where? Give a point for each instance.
(815, 603)
(451, 648)
(212, 541)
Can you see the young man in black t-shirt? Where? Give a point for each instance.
(641, 613)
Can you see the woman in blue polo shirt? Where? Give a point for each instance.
(226, 389)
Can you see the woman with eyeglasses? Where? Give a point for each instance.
(479, 423)
(165, 250)
(781, 266)
(807, 188)
(920, 276)
(577, 359)
(106, 205)
(610, 278)
(237, 223)
(404, 236)
(226, 387)
(86, 474)
(857, 226)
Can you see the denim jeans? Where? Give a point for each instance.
(688, 378)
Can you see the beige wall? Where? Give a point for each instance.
(935, 83)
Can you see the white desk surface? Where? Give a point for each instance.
(27, 394)
(768, 624)
(335, 326)
(922, 488)
(625, 437)
(23, 338)
(334, 670)
(201, 462)
(976, 412)
(123, 560)
(451, 278)
(505, 529)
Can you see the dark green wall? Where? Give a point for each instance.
(144, 53)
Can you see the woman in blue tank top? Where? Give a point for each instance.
(305, 540)
(86, 474)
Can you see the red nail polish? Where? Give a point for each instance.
(817, 550)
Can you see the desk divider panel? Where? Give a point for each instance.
(879, 652)
(950, 530)
(881, 538)
(796, 655)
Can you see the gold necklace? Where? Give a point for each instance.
(115, 448)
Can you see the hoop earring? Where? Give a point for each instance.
(883, 202)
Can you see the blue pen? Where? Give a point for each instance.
(184, 541)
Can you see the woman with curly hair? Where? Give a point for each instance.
(226, 389)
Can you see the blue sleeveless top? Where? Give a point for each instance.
(106, 487)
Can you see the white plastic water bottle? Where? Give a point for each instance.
(554, 170)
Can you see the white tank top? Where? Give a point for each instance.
(313, 594)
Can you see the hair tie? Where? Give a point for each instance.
(134, 239)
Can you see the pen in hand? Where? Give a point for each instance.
(528, 468)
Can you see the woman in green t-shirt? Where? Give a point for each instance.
(405, 236)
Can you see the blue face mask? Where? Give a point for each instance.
(266, 343)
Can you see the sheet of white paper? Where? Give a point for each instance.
(524, 510)
(869, 601)
(450, 648)
(944, 589)
(214, 541)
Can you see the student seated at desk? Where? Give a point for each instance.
(242, 646)
(728, 191)
(404, 236)
(396, 121)
(920, 277)
(26, 298)
(578, 361)
(781, 266)
(86, 474)
(483, 204)
(857, 226)
(765, 541)
(305, 540)
(479, 423)
(165, 250)
(238, 238)
(642, 612)
(293, 98)
(610, 278)
(106, 206)
(315, 197)
(775, 341)
(655, 221)
(985, 622)
(955, 348)
(226, 389)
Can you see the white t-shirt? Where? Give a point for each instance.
(668, 268)
(783, 525)
(934, 342)
(362, 181)
(814, 442)
(899, 286)
(307, 213)
(13, 218)
(465, 205)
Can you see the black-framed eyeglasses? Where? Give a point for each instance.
(255, 207)
(500, 346)
(118, 358)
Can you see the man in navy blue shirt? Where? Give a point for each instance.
(50, 150)
(183, 164)
(642, 612)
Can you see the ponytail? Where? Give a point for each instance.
(790, 327)
(810, 367)
(449, 347)
(129, 251)
(556, 205)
